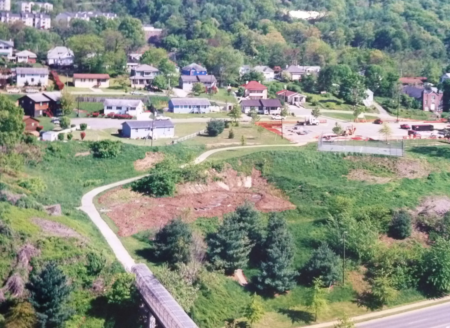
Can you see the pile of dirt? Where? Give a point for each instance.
(364, 175)
(357, 280)
(148, 161)
(56, 229)
(433, 206)
(402, 167)
(221, 194)
(53, 210)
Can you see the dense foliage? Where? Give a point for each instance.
(401, 225)
(215, 127)
(106, 148)
(324, 263)
(11, 123)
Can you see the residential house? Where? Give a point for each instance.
(133, 61)
(60, 56)
(5, 5)
(262, 106)
(413, 81)
(368, 101)
(132, 107)
(244, 69)
(38, 21)
(152, 129)
(31, 125)
(66, 17)
(189, 105)
(35, 6)
(40, 104)
(6, 48)
(194, 69)
(269, 74)
(255, 90)
(187, 81)
(143, 75)
(32, 76)
(5, 76)
(295, 72)
(91, 80)
(26, 57)
(430, 97)
(291, 97)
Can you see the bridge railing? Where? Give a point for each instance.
(162, 304)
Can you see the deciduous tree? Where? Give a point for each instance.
(123, 292)
(198, 88)
(67, 103)
(21, 315)
(11, 122)
(317, 299)
(400, 227)
(254, 311)
(436, 267)
(154, 56)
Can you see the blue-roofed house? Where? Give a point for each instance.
(194, 69)
(156, 129)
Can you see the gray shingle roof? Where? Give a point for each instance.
(414, 92)
(188, 78)
(9, 43)
(145, 68)
(261, 103)
(194, 66)
(302, 69)
(190, 102)
(263, 69)
(250, 103)
(38, 97)
(55, 95)
(157, 124)
(31, 70)
(122, 102)
(270, 102)
(26, 53)
(207, 78)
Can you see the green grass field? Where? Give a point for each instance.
(347, 117)
(207, 115)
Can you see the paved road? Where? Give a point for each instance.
(433, 317)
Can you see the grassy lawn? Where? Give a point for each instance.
(252, 135)
(415, 114)
(181, 130)
(221, 95)
(235, 153)
(344, 116)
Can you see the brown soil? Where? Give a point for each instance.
(402, 167)
(83, 154)
(416, 235)
(364, 175)
(433, 206)
(356, 279)
(148, 162)
(240, 277)
(56, 229)
(223, 192)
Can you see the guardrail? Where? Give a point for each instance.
(190, 136)
(162, 304)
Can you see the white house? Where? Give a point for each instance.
(26, 57)
(91, 80)
(262, 106)
(143, 75)
(39, 21)
(368, 101)
(189, 105)
(244, 69)
(5, 5)
(295, 72)
(269, 74)
(38, 6)
(60, 56)
(66, 17)
(32, 76)
(6, 48)
(187, 81)
(132, 107)
(152, 129)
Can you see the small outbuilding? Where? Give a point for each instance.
(152, 129)
(50, 136)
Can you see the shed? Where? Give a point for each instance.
(50, 136)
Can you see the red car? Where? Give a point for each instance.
(405, 126)
(378, 121)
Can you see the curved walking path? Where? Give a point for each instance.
(87, 206)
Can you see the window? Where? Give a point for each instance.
(132, 108)
(108, 107)
(22, 75)
(42, 76)
(118, 108)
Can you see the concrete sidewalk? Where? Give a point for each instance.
(388, 312)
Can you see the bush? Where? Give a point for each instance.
(39, 128)
(29, 203)
(173, 242)
(82, 135)
(106, 148)
(400, 227)
(324, 263)
(30, 139)
(83, 126)
(215, 127)
(60, 136)
(69, 136)
(64, 122)
(231, 134)
(34, 185)
(158, 184)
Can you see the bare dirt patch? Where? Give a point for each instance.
(83, 154)
(433, 206)
(416, 236)
(148, 162)
(401, 167)
(364, 175)
(221, 194)
(56, 229)
(356, 279)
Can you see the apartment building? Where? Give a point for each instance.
(85, 15)
(31, 6)
(38, 21)
(5, 5)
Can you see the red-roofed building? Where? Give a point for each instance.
(291, 97)
(91, 80)
(255, 90)
(414, 81)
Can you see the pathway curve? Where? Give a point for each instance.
(87, 206)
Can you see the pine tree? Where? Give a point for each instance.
(324, 263)
(49, 292)
(254, 311)
(277, 272)
(229, 247)
(250, 220)
(173, 242)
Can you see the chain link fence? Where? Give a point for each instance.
(387, 148)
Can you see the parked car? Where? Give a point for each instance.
(378, 121)
(55, 120)
(405, 127)
(414, 133)
(277, 117)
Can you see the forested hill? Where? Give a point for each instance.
(413, 33)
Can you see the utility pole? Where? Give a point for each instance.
(343, 262)
(153, 124)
